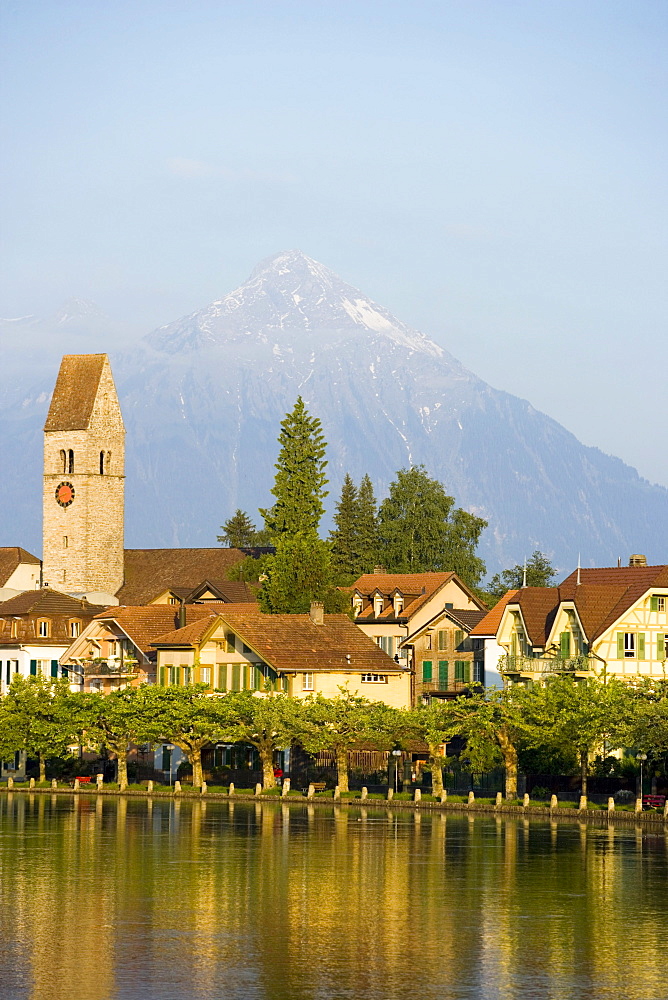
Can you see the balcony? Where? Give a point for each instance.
(110, 668)
(546, 664)
(442, 687)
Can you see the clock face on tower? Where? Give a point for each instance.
(64, 494)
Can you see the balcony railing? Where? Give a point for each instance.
(442, 687)
(545, 664)
(110, 668)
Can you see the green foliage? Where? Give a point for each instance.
(367, 528)
(239, 532)
(298, 573)
(539, 573)
(343, 537)
(421, 531)
(299, 486)
(37, 717)
(269, 724)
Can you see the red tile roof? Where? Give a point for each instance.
(146, 622)
(11, 557)
(489, 625)
(295, 643)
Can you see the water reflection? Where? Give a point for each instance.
(123, 898)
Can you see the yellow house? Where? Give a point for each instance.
(598, 621)
(243, 649)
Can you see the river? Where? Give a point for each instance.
(127, 899)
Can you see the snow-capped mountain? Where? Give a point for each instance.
(203, 397)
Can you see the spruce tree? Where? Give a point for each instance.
(239, 532)
(367, 528)
(300, 572)
(299, 486)
(344, 536)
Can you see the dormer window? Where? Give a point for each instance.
(357, 605)
(398, 605)
(75, 628)
(377, 606)
(43, 628)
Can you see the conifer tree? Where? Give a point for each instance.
(367, 528)
(300, 572)
(344, 536)
(299, 486)
(239, 532)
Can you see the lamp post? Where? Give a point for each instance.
(642, 757)
(396, 754)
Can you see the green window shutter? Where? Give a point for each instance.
(426, 670)
(620, 645)
(459, 637)
(654, 603)
(467, 671)
(54, 668)
(229, 643)
(641, 645)
(443, 673)
(33, 668)
(442, 639)
(459, 670)
(565, 644)
(286, 683)
(161, 680)
(222, 676)
(245, 686)
(236, 677)
(661, 646)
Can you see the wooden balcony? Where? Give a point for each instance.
(546, 664)
(110, 668)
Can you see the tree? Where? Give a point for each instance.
(495, 723)
(344, 536)
(239, 532)
(188, 717)
(36, 717)
(539, 573)
(299, 486)
(300, 572)
(340, 724)
(436, 724)
(120, 719)
(421, 531)
(367, 528)
(268, 723)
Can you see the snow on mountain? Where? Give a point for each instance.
(203, 398)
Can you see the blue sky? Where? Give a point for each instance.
(494, 173)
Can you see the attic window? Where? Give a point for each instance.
(374, 678)
(75, 628)
(357, 605)
(377, 606)
(43, 628)
(658, 602)
(398, 605)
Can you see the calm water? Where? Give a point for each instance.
(106, 898)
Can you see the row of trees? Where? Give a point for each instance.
(567, 720)
(417, 527)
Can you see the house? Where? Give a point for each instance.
(19, 571)
(115, 649)
(220, 591)
(163, 574)
(238, 647)
(445, 660)
(391, 607)
(36, 628)
(610, 621)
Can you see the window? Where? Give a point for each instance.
(173, 600)
(246, 650)
(205, 675)
(479, 671)
(630, 645)
(173, 675)
(428, 641)
(43, 628)
(70, 461)
(398, 605)
(442, 639)
(229, 644)
(462, 671)
(459, 638)
(658, 602)
(65, 542)
(357, 606)
(374, 678)
(101, 463)
(443, 674)
(75, 628)
(377, 606)
(236, 677)
(565, 645)
(386, 643)
(63, 460)
(221, 676)
(307, 682)
(187, 675)
(427, 670)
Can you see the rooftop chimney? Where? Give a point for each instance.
(182, 615)
(317, 613)
(377, 570)
(638, 560)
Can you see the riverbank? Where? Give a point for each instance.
(596, 816)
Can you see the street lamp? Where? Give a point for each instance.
(642, 757)
(396, 754)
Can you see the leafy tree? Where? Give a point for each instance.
(367, 528)
(120, 719)
(299, 486)
(421, 531)
(298, 573)
(495, 724)
(436, 724)
(344, 536)
(644, 725)
(539, 573)
(239, 532)
(341, 724)
(267, 723)
(188, 717)
(36, 717)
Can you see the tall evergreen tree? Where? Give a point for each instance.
(299, 486)
(239, 532)
(300, 572)
(421, 530)
(367, 528)
(344, 536)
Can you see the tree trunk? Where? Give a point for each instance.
(584, 769)
(436, 772)
(195, 758)
(509, 754)
(122, 759)
(342, 770)
(267, 759)
(42, 768)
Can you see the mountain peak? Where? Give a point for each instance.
(288, 298)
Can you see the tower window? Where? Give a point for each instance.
(101, 463)
(70, 461)
(63, 460)
(65, 542)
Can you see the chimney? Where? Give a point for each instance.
(317, 613)
(638, 560)
(182, 615)
(377, 570)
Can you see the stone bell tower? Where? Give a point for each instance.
(84, 455)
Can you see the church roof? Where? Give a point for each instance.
(74, 395)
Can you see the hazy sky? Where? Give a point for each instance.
(494, 173)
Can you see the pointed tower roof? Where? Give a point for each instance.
(75, 392)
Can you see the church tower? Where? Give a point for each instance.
(84, 454)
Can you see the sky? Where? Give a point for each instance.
(491, 172)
